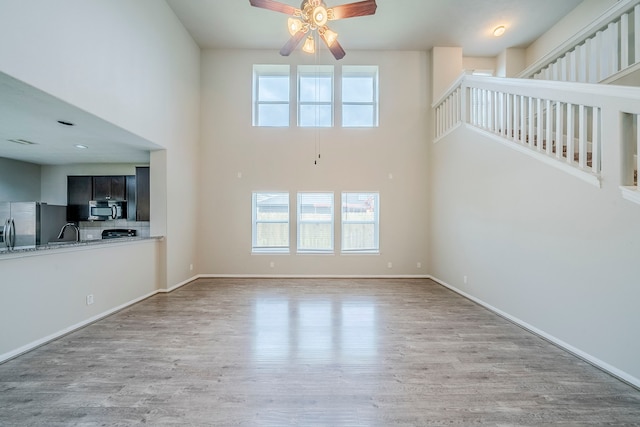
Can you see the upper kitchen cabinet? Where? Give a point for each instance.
(109, 188)
(79, 192)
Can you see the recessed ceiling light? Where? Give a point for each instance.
(62, 122)
(81, 147)
(22, 141)
(498, 31)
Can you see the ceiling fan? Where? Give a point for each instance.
(312, 17)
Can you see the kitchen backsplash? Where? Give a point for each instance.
(92, 230)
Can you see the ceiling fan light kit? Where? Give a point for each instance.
(311, 18)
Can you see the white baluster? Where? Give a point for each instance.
(636, 39)
(530, 123)
(582, 136)
(539, 124)
(549, 126)
(624, 41)
(594, 59)
(614, 48)
(559, 129)
(523, 122)
(516, 117)
(603, 58)
(572, 63)
(570, 133)
(508, 117)
(638, 148)
(596, 140)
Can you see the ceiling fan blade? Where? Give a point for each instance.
(292, 43)
(274, 5)
(335, 48)
(350, 10)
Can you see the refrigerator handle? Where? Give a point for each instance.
(12, 233)
(5, 233)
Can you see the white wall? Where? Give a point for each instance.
(576, 20)
(280, 159)
(19, 181)
(447, 65)
(44, 294)
(551, 250)
(54, 177)
(131, 63)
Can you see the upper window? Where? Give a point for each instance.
(315, 222)
(359, 96)
(270, 230)
(315, 95)
(360, 222)
(271, 95)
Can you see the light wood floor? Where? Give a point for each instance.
(269, 352)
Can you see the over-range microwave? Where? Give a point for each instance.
(104, 210)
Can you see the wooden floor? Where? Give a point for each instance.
(271, 352)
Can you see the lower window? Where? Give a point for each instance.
(360, 222)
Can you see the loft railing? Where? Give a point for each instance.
(572, 126)
(610, 46)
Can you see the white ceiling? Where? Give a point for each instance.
(29, 114)
(397, 24)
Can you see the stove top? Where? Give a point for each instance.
(115, 233)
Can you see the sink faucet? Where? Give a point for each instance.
(75, 227)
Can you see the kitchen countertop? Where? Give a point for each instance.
(83, 244)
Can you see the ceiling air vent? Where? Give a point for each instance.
(22, 141)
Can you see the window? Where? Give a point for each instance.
(359, 96)
(270, 230)
(315, 95)
(360, 225)
(271, 95)
(315, 222)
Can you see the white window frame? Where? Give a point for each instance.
(301, 222)
(260, 71)
(315, 71)
(376, 222)
(255, 247)
(367, 71)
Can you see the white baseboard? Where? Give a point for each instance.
(179, 285)
(37, 343)
(611, 370)
(315, 276)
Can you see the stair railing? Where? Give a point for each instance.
(559, 123)
(610, 46)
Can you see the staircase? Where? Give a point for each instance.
(560, 113)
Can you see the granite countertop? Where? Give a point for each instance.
(74, 245)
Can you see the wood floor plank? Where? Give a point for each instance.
(308, 352)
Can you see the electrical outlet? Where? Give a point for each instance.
(272, 264)
(389, 265)
(465, 279)
(191, 267)
(89, 299)
(419, 265)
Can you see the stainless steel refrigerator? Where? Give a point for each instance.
(25, 225)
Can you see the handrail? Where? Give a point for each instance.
(559, 123)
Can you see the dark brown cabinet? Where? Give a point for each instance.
(109, 188)
(143, 194)
(133, 188)
(79, 192)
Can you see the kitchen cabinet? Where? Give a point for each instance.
(79, 192)
(109, 188)
(82, 189)
(143, 194)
